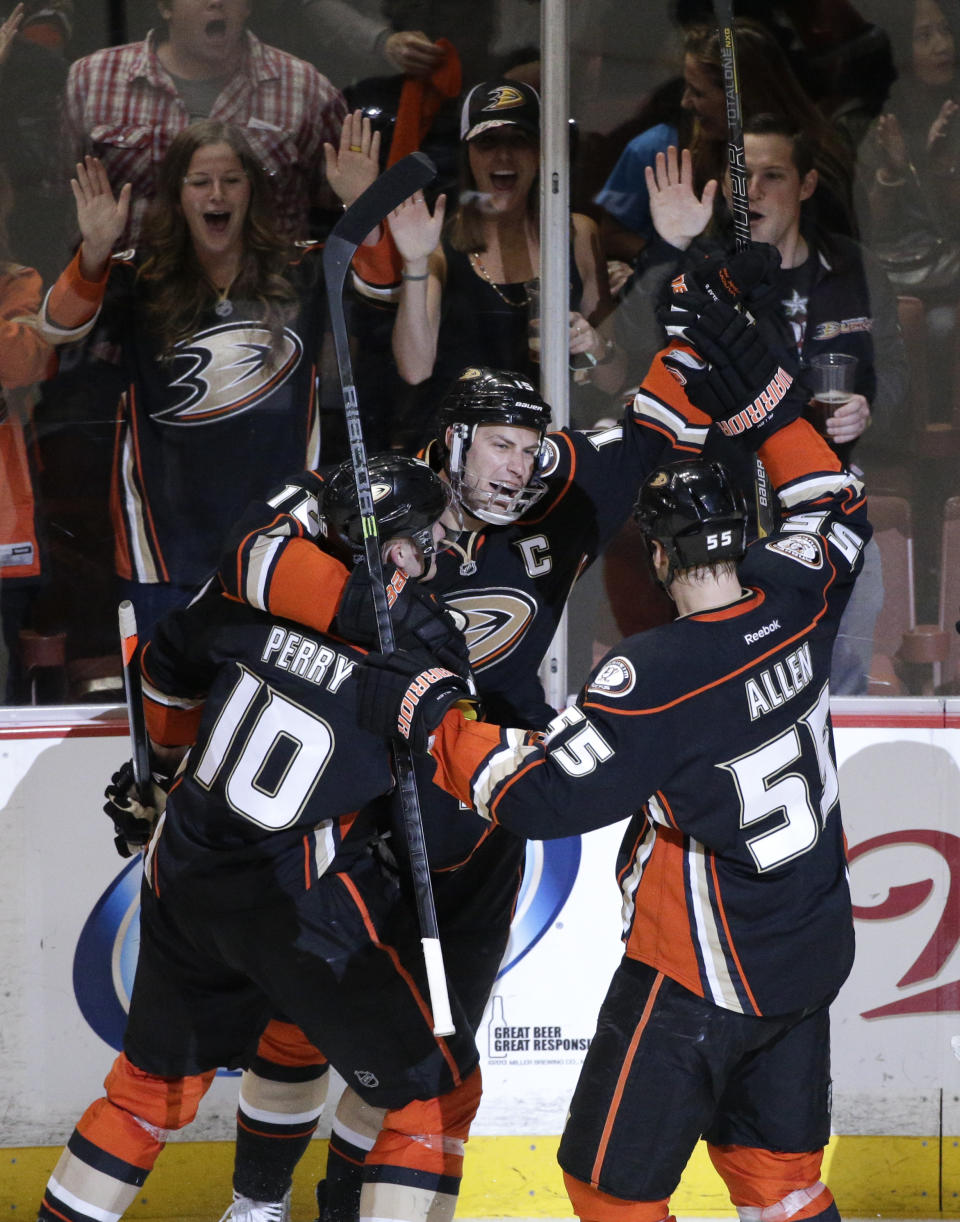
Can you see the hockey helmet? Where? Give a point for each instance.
(491, 396)
(408, 498)
(695, 511)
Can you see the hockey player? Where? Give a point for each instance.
(261, 895)
(739, 928)
(530, 510)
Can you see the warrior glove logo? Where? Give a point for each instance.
(758, 412)
(415, 693)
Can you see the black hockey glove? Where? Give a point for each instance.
(405, 695)
(133, 821)
(739, 381)
(420, 620)
(747, 278)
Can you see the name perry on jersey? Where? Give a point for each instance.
(299, 655)
(773, 687)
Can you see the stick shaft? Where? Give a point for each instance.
(133, 690)
(739, 201)
(407, 176)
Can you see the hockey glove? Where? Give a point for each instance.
(747, 278)
(133, 822)
(420, 620)
(405, 695)
(735, 378)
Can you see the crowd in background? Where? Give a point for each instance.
(114, 482)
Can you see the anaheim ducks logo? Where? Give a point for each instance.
(504, 97)
(496, 622)
(379, 491)
(227, 370)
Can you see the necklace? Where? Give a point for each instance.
(477, 264)
(224, 306)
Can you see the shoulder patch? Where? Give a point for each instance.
(550, 457)
(615, 678)
(805, 549)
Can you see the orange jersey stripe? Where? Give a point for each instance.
(622, 1080)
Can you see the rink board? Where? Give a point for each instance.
(68, 946)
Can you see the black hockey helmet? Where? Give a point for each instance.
(408, 498)
(695, 511)
(491, 396)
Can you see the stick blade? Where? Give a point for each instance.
(411, 173)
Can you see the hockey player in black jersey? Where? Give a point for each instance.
(531, 509)
(261, 894)
(738, 919)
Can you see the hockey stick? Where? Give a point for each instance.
(737, 162)
(133, 690)
(374, 205)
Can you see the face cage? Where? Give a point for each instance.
(502, 504)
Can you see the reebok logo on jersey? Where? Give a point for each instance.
(759, 410)
(615, 678)
(751, 638)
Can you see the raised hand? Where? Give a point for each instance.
(355, 165)
(940, 127)
(415, 230)
(413, 53)
(7, 30)
(888, 137)
(101, 217)
(677, 214)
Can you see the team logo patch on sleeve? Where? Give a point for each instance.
(549, 457)
(615, 678)
(805, 549)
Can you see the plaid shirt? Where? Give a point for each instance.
(123, 105)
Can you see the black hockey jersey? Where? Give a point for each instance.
(509, 582)
(716, 728)
(202, 432)
(278, 769)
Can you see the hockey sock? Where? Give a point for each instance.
(281, 1098)
(116, 1143)
(414, 1169)
(356, 1127)
(592, 1205)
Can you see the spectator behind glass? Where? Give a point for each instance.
(24, 358)
(828, 296)
(32, 76)
(214, 289)
(911, 165)
(768, 86)
(469, 287)
(126, 104)
(625, 224)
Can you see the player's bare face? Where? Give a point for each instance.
(501, 455)
(775, 190)
(504, 164)
(205, 36)
(934, 51)
(215, 197)
(705, 98)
